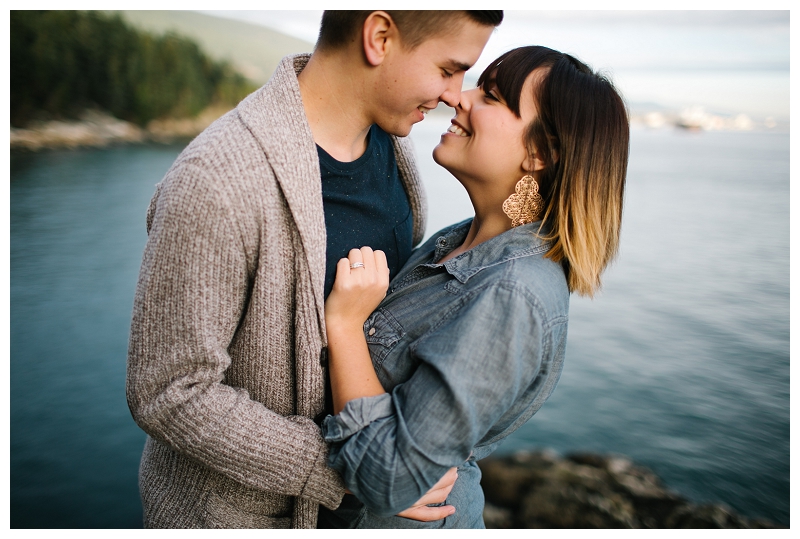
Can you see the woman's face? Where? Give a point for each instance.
(485, 141)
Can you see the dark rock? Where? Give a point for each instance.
(497, 517)
(506, 484)
(586, 490)
(566, 503)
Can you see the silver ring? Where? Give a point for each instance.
(355, 265)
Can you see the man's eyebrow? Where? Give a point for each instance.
(460, 66)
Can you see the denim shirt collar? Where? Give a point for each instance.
(521, 241)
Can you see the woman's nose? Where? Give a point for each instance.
(467, 98)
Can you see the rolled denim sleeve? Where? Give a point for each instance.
(487, 362)
(356, 415)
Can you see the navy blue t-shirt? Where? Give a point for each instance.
(365, 205)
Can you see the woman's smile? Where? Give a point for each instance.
(456, 129)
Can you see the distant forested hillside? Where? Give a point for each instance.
(65, 61)
(254, 50)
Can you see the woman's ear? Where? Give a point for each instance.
(532, 163)
(378, 28)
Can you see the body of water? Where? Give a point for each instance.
(682, 362)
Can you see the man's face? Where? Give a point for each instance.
(412, 82)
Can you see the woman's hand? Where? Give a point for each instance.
(437, 494)
(358, 290)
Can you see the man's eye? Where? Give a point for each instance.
(446, 73)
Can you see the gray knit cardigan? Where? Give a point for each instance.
(224, 370)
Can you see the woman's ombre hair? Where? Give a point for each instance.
(581, 134)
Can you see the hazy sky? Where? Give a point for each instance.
(726, 61)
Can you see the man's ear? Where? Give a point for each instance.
(377, 30)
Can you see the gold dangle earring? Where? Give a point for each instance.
(525, 204)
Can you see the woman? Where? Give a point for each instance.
(469, 341)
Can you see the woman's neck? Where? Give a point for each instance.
(489, 221)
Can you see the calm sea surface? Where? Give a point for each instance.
(682, 362)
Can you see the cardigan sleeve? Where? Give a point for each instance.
(192, 291)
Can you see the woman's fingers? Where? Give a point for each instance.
(448, 479)
(365, 270)
(342, 269)
(441, 490)
(437, 494)
(368, 256)
(375, 269)
(355, 257)
(382, 266)
(375, 264)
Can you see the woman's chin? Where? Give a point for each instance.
(439, 156)
(446, 166)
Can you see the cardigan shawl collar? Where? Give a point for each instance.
(276, 118)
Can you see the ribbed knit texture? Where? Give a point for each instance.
(228, 325)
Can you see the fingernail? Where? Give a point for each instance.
(453, 510)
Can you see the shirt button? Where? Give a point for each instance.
(371, 332)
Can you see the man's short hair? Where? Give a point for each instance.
(340, 27)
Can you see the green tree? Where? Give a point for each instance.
(65, 61)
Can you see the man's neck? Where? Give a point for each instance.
(333, 99)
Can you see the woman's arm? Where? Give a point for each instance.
(356, 293)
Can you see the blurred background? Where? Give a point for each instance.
(681, 362)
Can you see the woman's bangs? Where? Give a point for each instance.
(511, 69)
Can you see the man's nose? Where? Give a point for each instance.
(452, 94)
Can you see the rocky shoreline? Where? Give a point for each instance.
(544, 490)
(97, 129)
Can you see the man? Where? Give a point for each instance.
(226, 363)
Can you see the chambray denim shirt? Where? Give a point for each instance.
(467, 351)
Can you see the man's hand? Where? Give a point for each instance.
(437, 494)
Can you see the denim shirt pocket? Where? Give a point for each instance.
(382, 332)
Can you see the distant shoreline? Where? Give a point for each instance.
(98, 129)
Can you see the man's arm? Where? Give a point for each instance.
(192, 290)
